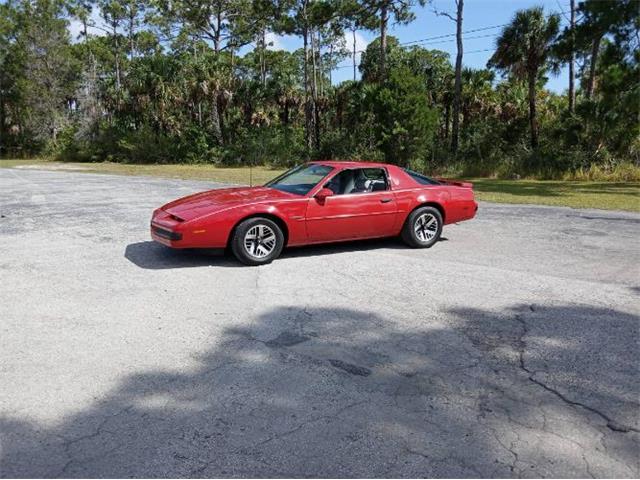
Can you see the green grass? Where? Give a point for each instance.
(14, 162)
(576, 194)
(237, 175)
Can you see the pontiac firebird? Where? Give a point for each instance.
(317, 202)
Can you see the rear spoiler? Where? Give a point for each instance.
(457, 183)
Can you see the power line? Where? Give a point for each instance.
(481, 29)
(445, 38)
(427, 39)
(415, 42)
(424, 42)
(466, 53)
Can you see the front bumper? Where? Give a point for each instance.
(166, 229)
(175, 232)
(165, 233)
(166, 237)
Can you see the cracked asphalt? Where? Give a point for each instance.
(510, 349)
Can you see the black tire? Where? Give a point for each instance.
(419, 240)
(242, 253)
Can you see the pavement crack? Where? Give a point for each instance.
(298, 319)
(531, 375)
(587, 466)
(99, 430)
(350, 368)
(510, 449)
(308, 422)
(410, 451)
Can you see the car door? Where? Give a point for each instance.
(352, 212)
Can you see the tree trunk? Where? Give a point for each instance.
(572, 92)
(221, 111)
(319, 67)
(131, 30)
(447, 115)
(217, 34)
(384, 14)
(458, 81)
(215, 120)
(307, 102)
(329, 69)
(314, 93)
(117, 54)
(263, 65)
(354, 54)
(316, 124)
(2, 127)
(591, 83)
(533, 117)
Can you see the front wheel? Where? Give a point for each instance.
(257, 241)
(422, 228)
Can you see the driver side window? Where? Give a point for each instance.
(358, 180)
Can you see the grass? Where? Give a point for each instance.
(14, 162)
(576, 194)
(236, 175)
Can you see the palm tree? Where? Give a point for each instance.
(523, 50)
(477, 94)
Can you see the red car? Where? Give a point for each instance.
(318, 202)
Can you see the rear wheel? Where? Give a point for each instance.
(257, 241)
(423, 227)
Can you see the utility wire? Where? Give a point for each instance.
(429, 40)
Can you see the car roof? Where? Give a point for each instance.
(351, 164)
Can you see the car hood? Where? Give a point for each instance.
(204, 203)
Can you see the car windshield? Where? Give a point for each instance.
(300, 180)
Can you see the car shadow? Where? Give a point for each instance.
(346, 247)
(153, 256)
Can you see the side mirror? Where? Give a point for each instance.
(322, 195)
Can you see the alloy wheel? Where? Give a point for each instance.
(260, 241)
(426, 227)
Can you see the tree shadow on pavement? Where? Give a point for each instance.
(322, 392)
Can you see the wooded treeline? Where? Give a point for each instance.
(196, 81)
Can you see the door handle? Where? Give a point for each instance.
(385, 200)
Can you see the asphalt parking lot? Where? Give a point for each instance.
(509, 349)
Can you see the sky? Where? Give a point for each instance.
(478, 46)
(488, 15)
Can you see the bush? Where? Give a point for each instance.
(405, 124)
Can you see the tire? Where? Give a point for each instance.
(417, 237)
(257, 241)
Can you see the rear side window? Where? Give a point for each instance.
(421, 179)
